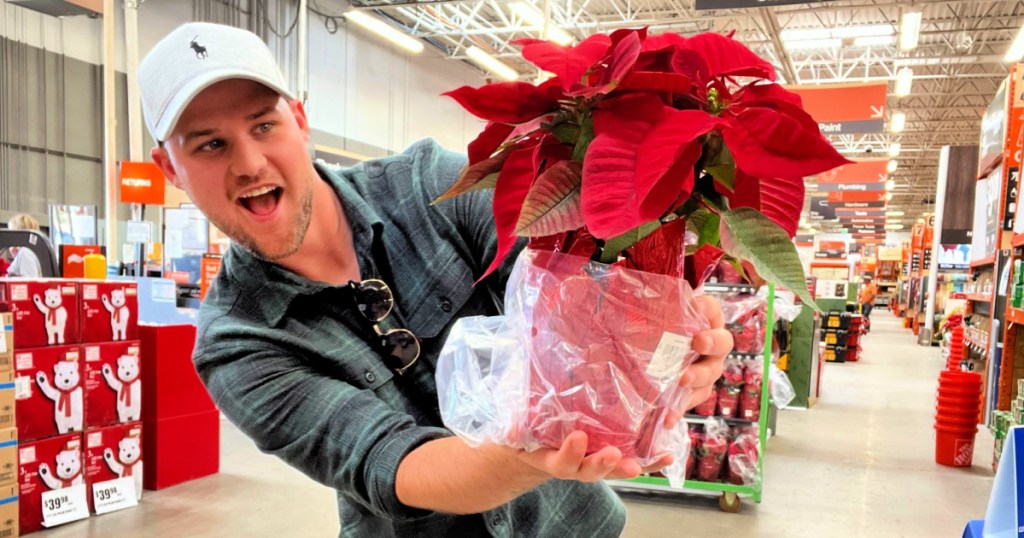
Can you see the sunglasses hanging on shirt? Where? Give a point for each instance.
(399, 347)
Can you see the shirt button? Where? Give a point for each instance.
(496, 520)
(446, 305)
(370, 377)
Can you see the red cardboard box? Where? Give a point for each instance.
(170, 385)
(48, 391)
(113, 388)
(44, 465)
(111, 453)
(110, 311)
(180, 449)
(45, 311)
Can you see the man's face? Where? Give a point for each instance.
(240, 152)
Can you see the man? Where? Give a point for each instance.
(866, 296)
(289, 338)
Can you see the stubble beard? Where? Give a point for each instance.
(299, 223)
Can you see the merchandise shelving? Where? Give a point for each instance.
(729, 494)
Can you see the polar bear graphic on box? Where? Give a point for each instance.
(126, 384)
(119, 314)
(66, 393)
(56, 315)
(68, 469)
(128, 461)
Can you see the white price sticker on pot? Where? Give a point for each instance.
(114, 495)
(668, 358)
(64, 505)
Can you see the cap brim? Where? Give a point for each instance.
(177, 105)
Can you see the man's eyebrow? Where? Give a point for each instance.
(261, 112)
(196, 134)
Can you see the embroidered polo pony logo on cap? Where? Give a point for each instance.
(200, 50)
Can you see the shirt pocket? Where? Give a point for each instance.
(451, 287)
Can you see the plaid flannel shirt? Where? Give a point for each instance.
(289, 362)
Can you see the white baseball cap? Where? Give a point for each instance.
(193, 57)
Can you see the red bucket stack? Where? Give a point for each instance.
(956, 349)
(956, 417)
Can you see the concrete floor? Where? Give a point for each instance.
(859, 463)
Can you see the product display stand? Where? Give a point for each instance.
(729, 500)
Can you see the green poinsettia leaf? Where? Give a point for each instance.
(553, 203)
(705, 224)
(566, 133)
(584, 138)
(749, 235)
(617, 244)
(723, 168)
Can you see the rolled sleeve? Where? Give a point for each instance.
(340, 435)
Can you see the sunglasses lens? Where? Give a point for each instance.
(402, 346)
(373, 297)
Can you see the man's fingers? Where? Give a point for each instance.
(704, 372)
(712, 309)
(713, 342)
(597, 466)
(663, 462)
(565, 463)
(698, 396)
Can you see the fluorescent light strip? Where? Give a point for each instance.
(813, 44)
(894, 213)
(891, 184)
(805, 35)
(892, 166)
(1016, 51)
(385, 30)
(898, 123)
(491, 63)
(535, 18)
(875, 41)
(904, 81)
(910, 30)
(894, 149)
(870, 30)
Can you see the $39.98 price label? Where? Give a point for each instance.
(114, 495)
(64, 505)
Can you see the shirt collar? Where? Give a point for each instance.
(277, 286)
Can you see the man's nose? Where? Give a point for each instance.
(247, 159)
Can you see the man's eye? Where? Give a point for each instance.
(212, 145)
(265, 127)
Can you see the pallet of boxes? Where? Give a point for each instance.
(76, 397)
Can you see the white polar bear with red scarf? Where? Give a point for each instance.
(126, 384)
(128, 461)
(66, 393)
(68, 468)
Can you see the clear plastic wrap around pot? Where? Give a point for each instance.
(582, 346)
(780, 388)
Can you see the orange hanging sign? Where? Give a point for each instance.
(141, 183)
(208, 270)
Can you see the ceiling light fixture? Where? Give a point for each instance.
(904, 80)
(491, 63)
(813, 44)
(891, 184)
(385, 30)
(535, 18)
(891, 167)
(888, 196)
(869, 30)
(874, 41)
(898, 123)
(894, 149)
(893, 227)
(894, 213)
(910, 30)
(1016, 51)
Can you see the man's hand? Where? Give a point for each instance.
(713, 344)
(570, 462)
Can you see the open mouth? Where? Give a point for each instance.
(261, 202)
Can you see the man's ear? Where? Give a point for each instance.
(163, 162)
(299, 112)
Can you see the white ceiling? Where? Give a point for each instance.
(957, 65)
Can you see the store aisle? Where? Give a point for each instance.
(860, 463)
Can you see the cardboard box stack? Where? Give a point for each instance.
(64, 390)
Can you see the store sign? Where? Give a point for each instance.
(859, 205)
(845, 108)
(863, 171)
(955, 257)
(856, 187)
(831, 250)
(822, 209)
(141, 183)
(72, 257)
(860, 213)
(848, 196)
(993, 131)
(804, 240)
(1010, 203)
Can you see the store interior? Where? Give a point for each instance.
(871, 388)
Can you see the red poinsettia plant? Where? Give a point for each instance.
(634, 132)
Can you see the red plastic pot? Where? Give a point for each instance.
(728, 401)
(957, 410)
(954, 448)
(957, 401)
(957, 422)
(707, 407)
